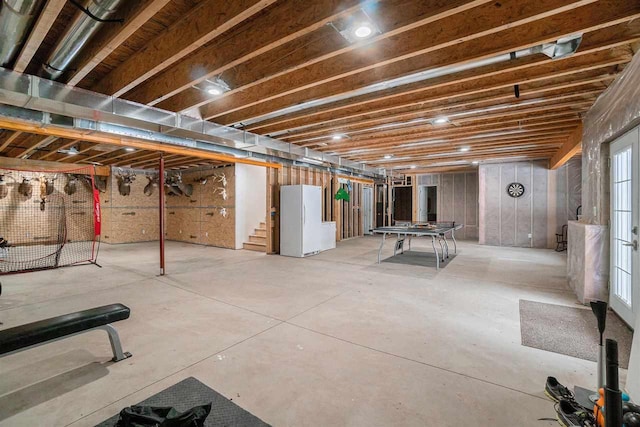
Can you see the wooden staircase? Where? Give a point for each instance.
(258, 240)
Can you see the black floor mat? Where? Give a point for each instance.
(189, 393)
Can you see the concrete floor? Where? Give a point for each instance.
(329, 340)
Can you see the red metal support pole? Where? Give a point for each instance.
(161, 209)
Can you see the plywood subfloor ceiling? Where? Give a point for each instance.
(293, 75)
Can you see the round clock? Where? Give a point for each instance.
(515, 189)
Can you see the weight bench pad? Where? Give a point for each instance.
(57, 327)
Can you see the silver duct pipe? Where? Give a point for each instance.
(16, 17)
(36, 100)
(78, 34)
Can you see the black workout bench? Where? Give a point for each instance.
(24, 337)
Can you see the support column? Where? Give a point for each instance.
(161, 210)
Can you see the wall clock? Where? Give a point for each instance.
(515, 189)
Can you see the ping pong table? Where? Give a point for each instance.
(437, 231)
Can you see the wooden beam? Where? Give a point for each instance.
(13, 163)
(10, 140)
(404, 117)
(595, 56)
(37, 144)
(60, 145)
(109, 38)
(306, 85)
(47, 17)
(105, 138)
(305, 41)
(204, 23)
(569, 149)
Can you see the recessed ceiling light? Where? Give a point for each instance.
(412, 166)
(216, 87)
(336, 137)
(388, 156)
(440, 120)
(463, 149)
(362, 31)
(129, 149)
(475, 162)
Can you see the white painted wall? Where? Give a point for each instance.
(251, 200)
(633, 375)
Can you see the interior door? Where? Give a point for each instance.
(367, 215)
(423, 208)
(625, 259)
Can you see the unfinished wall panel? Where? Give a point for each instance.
(540, 212)
(457, 199)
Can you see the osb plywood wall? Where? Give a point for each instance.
(457, 200)
(24, 223)
(532, 220)
(199, 218)
(132, 218)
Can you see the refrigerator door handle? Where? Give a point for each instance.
(304, 214)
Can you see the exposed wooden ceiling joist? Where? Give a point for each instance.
(307, 84)
(207, 21)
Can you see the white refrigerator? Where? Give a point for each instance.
(300, 220)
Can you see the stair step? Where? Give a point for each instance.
(260, 232)
(257, 239)
(258, 247)
(263, 225)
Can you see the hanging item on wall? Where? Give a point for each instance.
(46, 188)
(71, 186)
(25, 187)
(342, 194)
(515, 189)
(4, 189)
(100, 183)
(223, 212)
(124, 182)
(222, 191)
(151, 186)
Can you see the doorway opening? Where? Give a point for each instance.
(402, 204)
(428, 199)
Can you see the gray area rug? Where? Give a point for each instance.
(189, 393)
(571, 330)
(419, 258)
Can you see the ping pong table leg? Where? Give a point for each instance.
(446, 244)
(441, 247)
(453, 237)
(433, 243)
(384, 236)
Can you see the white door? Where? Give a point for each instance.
(625, 259)
(423, 204)
(367, 213)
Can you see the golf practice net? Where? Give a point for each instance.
(48, 219)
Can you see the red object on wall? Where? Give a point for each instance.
(97, 214)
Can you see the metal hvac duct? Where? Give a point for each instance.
(77, 35)
(16, 17)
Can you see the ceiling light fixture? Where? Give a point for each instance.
(388, 156)
(71, 151)
(129, 149)
(475, 162)
(440, 120)
(412, 166)
(336, 137)
(216, 87)
(464, 149)
(363, 31)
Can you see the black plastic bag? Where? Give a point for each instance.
(150, 416)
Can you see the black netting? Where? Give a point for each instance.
(46, 219)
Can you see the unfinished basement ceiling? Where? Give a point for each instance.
(430, 85)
